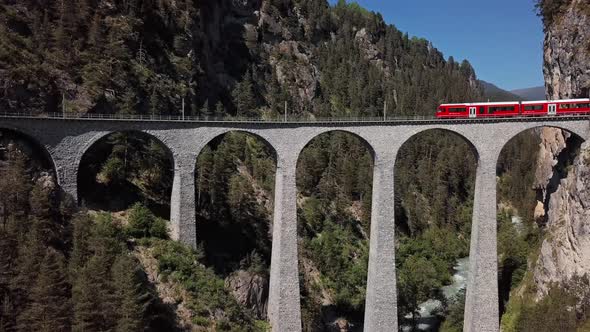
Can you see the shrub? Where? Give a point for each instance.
(207, 291)
(159, 229)
(143, 223)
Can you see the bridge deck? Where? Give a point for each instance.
(418, 120)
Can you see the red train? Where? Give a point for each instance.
(514, 108)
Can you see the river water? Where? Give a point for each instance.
(428, 319)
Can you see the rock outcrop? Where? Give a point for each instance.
(567, 45)
(565, 252)
(553, 142)
(250, 290)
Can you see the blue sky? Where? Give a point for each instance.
(503, 39)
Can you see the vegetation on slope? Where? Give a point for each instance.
(62, 271)
(234, 193)
(123, 168)
(334, 177)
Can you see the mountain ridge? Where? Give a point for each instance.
(494, 93)
(534, 93)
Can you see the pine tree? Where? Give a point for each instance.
(93, 303)
(15, 184)
(204, 175)
(128, 102)
(205, 111)
(30, 254)
(40, 201)
(128, 294)
(244, 97)
(49, 309)
(81, 244)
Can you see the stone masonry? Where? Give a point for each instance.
(66, 141)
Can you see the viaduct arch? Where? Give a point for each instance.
(67, 140)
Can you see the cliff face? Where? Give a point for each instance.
(553, 142)
(567, 46)
(565, 251)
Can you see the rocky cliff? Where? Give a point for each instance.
(553, 143)
(565, 250)
(566, 50)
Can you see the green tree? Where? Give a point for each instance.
(41, 201)
(140, 221)
(244, 96)
(92, 296)
(15, 184)
(417, 282)
(128, 294)
(49, 306)
(81, 250)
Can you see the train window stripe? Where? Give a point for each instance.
(533, 107)
(501, 109)
(457, 109)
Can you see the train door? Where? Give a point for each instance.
(552, 109)
(472, 112)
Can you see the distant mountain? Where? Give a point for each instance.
(536, 93)
(494, 93)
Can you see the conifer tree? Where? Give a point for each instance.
(205, 111)
(49, 307)
(41, 201)
(30, 254)
(14, 184)
(204, 175)
(81, 244)
(93, 303)
(244, 97)
(128, 294)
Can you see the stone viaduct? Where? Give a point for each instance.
(66, 140)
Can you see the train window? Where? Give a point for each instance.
(583, 105)
(457, 109)
(567, 106)
(481, 109)
(533, 108)
(500, 109)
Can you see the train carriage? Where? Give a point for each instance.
(514, 109)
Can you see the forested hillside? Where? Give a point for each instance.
(238, 58)
(247, 58)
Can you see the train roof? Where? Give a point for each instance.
(524, 102)
(557, 101)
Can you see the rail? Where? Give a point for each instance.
(292, 120)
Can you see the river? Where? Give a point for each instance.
(428, 319)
